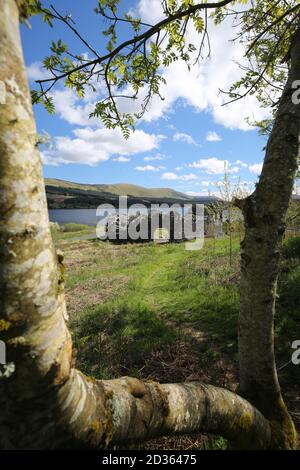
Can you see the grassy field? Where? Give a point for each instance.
(163, 313)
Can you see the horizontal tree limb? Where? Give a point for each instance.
(127, 410)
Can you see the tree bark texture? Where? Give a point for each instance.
(265, 213)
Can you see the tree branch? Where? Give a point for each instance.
(280, 18)
(261, 75)
(65, 21)
(141, 411)
(144, 36)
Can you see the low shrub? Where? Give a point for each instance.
(291, 248)
(72, 227)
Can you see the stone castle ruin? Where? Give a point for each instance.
(162, 226)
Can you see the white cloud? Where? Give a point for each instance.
(73, 110)
(92, 146)
(211, 166)
(35, 71)
(171, 176)
(181, 136)
(151, 158)
(149, 168)
(200, 87)
(122, 159)
(212, 136)
(68, 106)
(195, 193)
(233, 169)
(150, 11)
(241, 163)
(256, 168)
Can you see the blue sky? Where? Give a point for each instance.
(181, 143)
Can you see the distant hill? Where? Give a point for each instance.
(69, 195)
(124, 189)
(121, 189)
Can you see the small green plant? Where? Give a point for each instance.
(231, 215)
(291, 248)
(216, 443)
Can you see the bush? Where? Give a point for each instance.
(291, 248)
(72, 227)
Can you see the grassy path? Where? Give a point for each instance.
(130, 303)
(160, 312)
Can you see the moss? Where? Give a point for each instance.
(109, 418)
(164, 399)
(95, 427)
(4, 325)
(61, 278)
(23, 9)
(18, 341)
(61, 267)
(109, 394)
(17, 319)
(90, 378)
(284, 435)
(245, 420)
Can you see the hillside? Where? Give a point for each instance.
(121, 189)
(69, 195)
(124, 189)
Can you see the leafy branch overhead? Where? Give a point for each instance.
(133, 69)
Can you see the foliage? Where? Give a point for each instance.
(293, 214)
(71, 231)
(267, 29)
(72, 227)
(224, 207)
(160, 311)
(291, 248)
(133, 69)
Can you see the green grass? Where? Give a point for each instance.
(72, 227)
(287, 325)
(136, 306)
(291, 248)
(71, 231)
(159, 312)
(151, 298)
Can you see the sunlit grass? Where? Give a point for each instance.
(129, 303)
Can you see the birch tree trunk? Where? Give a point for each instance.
(44, 401)
(265, 213)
